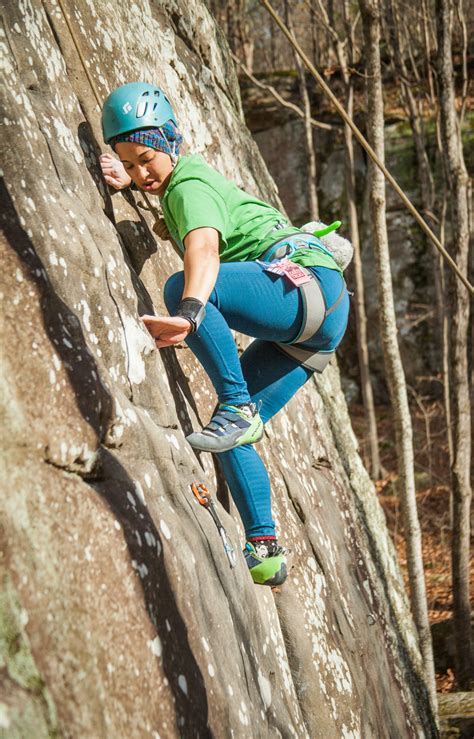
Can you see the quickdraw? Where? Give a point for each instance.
(204, 497)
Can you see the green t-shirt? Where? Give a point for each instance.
(199, 196)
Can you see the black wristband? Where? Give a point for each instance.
(193, 310)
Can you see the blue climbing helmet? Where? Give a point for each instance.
(134, 106)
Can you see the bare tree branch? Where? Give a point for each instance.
(278, 97)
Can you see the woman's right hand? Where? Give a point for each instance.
(114, 172)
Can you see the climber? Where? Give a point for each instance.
(246, 268)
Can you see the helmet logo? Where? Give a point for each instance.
(126, 108)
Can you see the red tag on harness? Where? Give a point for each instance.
(294, 272)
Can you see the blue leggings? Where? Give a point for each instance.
(263, 305)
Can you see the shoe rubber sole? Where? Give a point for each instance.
(270, 573)
(266, 570)
(215, 444)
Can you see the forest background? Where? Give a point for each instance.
(401, 71)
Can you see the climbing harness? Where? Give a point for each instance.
(365, 145)
(204, 497)
(314, 304)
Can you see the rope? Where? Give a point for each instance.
(98, 98)
(365, 144)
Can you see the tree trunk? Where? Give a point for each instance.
(314, 38)
(427, 191)
(425, 174)
(443, 328)
(458, 187)
(395, 376)
(346, 58)
(245, 35)
(313, 207)
(361, 316)
(427, 45)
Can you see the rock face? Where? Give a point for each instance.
(119, 615)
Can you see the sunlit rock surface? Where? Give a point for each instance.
(119, 615)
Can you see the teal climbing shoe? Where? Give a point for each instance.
(266, 561)
(230, 426)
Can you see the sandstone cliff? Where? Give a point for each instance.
(119, 616)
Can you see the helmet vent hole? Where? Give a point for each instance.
(141, 108)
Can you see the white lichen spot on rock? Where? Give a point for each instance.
(135, 342)
(173, 440)
(147, 479)
(131, 415)
(349, 733)
(205, 643)
(140, 492)
(165, 530)
(87, 314)
(155, 646)
(24, 618)
(211, 670)
(183, 684)
(150, 539)
(243, 715)
(66, 139)
(5, 721)
(265, 689)
(142, 569)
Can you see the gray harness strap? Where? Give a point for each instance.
(314, 307)
(311, 360)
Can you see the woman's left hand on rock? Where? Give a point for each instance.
(167, 330)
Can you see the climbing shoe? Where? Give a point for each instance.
(266, 561)
(230, 426)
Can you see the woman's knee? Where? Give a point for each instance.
(173, 291)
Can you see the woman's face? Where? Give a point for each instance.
(149, 169)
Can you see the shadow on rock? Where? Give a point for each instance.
(137, 241)
(111, 480)
(146, 551)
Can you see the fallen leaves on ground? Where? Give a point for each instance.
(433, 502)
